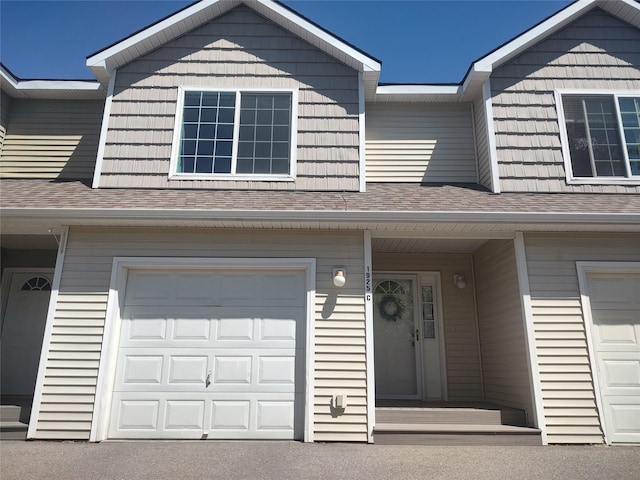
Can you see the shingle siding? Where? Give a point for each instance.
(597, 51)
(239, 49)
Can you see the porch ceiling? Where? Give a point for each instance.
(426, 245)
(28, 242)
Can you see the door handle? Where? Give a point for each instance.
(207, 382)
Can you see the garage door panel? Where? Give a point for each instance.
(211, 353)
(615, 310)
(212, 327)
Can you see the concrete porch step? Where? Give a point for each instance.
(467, 416)
(454, 434)
(14, 417)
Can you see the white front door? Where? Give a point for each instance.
(211, 354)
(615, 310)
(25, 316)
(396, 338)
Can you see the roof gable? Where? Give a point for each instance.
(104, 62)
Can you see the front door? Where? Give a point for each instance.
(25, 315)
(396, 338)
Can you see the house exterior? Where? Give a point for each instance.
(237, 232)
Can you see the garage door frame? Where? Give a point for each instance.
(584, 269)
(113, 322)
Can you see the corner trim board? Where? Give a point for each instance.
(103, 131)
(46, 339)
(491, 136)
(527, 311)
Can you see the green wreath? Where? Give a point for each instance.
(391, 308)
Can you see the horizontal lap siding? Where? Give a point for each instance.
(420, 143)
(51, 139)
(460, 328)
(566, 379)
(595, 52)
(72, 366)
(239, 49)
(500, 322)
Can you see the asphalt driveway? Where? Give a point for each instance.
(289, 460)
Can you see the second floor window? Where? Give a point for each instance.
(234, 133)
(602, 135)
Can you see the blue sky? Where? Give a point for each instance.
(419, 41)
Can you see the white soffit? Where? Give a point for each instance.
(49, 89)
(104, 62)
(418, 93)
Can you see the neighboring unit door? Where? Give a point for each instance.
(615, 309)
(396, 338)
(211, 354)
(23, 324)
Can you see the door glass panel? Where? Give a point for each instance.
(428, 317)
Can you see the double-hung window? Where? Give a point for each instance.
(244, 134)
(601, 137)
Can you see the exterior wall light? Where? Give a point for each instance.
(459, 281)
(339, 276)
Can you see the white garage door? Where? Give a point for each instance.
(211, 354)
(615, 306)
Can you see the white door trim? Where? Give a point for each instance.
(113, 321)
(585, 268)
(435, 279)
(369, 340)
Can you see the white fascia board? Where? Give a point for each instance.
(533, 36)
(166, 30)
(419, 90)
(26, 85)
(496, 217)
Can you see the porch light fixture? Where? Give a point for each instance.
(459, 281)
(339, 276)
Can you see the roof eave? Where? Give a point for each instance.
(49, 89)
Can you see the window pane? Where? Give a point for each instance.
(222, 165)
(209, 115)
(190, 130)
(204, 164)
(226, 115)
(205, 147)
(191, 115)
(192, 98)
(207, 130)
(280, 166)
(247, 133)
(429, 329)
(244, 165)
(227, 100)
(263, 134)
(245, 150)
(188, 147)
(210, 99)
(264, 117)
(223, 149)
(186, 164)
(262, 165)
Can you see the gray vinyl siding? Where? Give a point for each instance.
(239, 49)
(482, 142)
(459, 318)
(55, 139)
(597, 51)
(5, 110)
(565, 374)
(420, 143)
(505, 369)
(76, 341)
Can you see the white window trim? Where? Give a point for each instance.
(564, 139)
(175, 146)
(583, 269)
(111, 337)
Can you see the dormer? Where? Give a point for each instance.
(235, 95)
